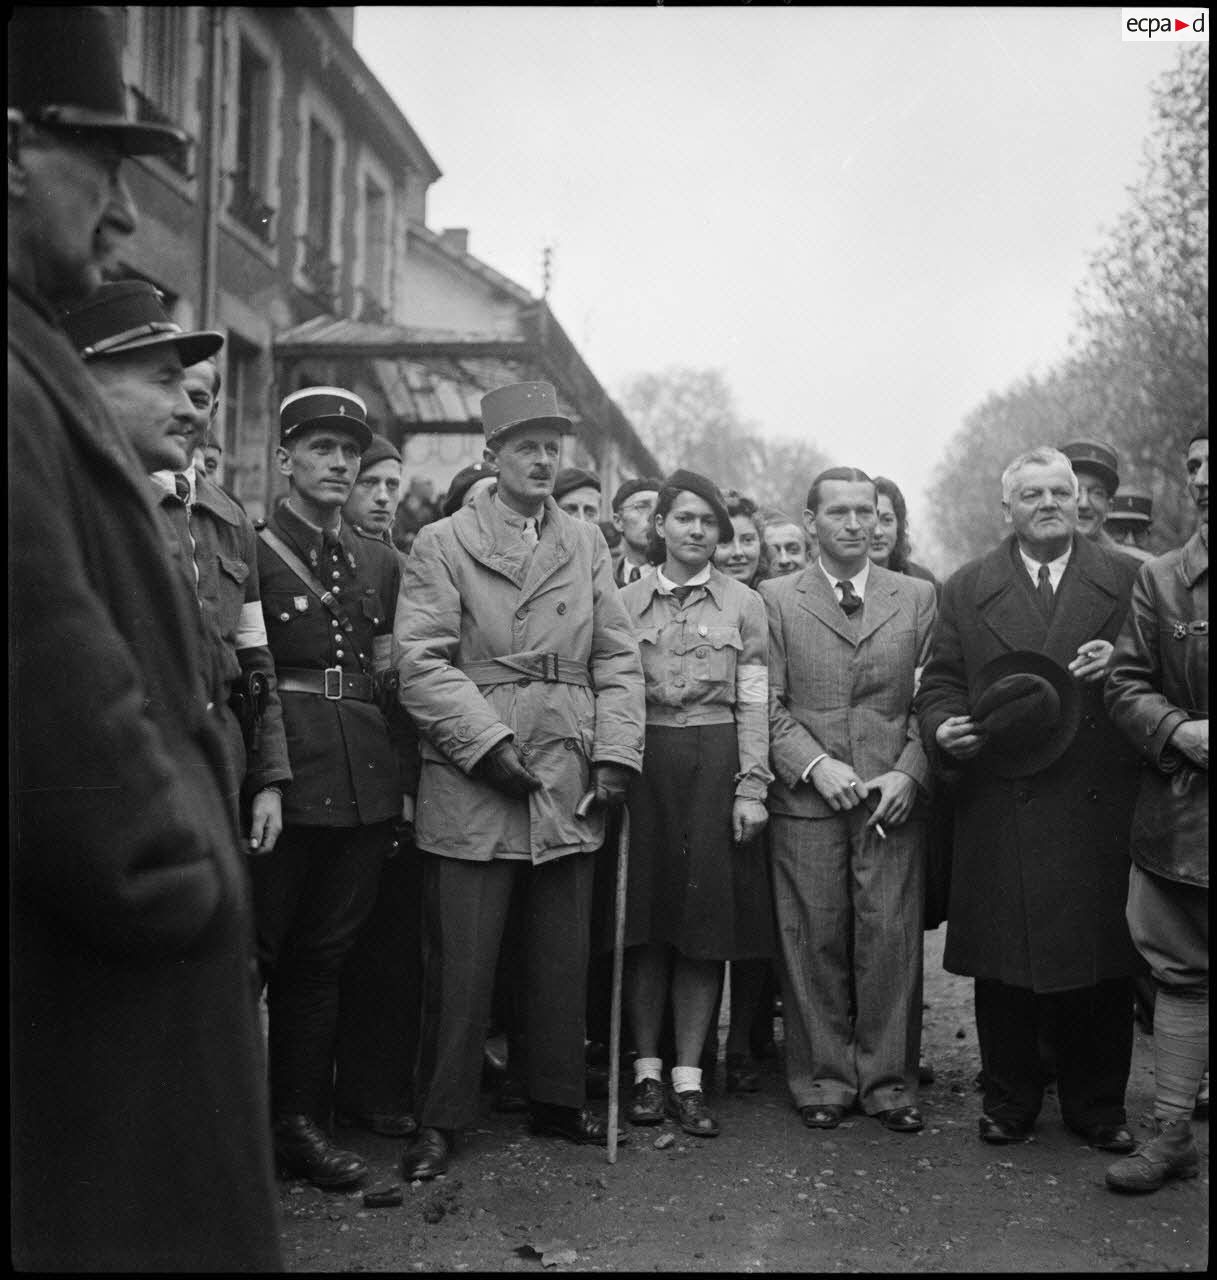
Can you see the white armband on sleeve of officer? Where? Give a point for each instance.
(251, 627)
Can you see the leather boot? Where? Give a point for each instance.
(303, 1151)
(1171, 1153)
(427, 1156)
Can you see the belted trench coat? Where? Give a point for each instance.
(472, 592)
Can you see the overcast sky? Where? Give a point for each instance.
(868, 218)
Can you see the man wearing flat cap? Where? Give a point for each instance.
(137, 1076)
(138, 358)
(328, 596)
(518, 664)
(1012, 718)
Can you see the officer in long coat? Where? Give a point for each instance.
(1041, 866)
(328, 596)
(519, 667)
(139, 1125)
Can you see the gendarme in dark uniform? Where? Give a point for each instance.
(328, 623)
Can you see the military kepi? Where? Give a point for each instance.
(332, 407)
(1094, 455)
(128, 315)
(64, 72)
(521, 404)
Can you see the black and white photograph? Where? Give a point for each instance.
(608, 638)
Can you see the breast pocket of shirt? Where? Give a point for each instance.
(711, 654)
(230, 591)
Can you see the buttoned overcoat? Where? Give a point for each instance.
(472, 591)
(1158, 679)
(139, 1119)
(1040, 872)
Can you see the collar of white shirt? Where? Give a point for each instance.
(858, 581)
(1056, 568)
(167, 481)
(699, 579)
(514, 519)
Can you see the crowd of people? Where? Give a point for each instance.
(383, 789)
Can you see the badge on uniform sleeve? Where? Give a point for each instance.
(1179, 631)
(301, 603)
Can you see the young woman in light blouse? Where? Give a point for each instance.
(698, 893)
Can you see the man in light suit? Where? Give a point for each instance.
(846, 639)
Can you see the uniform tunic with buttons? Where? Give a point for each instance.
(345, 767)
(706, 666)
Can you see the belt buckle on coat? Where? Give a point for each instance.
(549, 668)
(332, 686)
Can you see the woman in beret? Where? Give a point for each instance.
(698, 893)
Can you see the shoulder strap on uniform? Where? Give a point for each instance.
(330, 601)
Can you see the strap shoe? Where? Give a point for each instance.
(689, 1110)
(303, 1151)
(646, 1103)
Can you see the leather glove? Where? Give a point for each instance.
(504, 769)
(608, 784)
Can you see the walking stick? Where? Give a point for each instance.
(623, 859)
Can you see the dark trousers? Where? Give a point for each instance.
(1091, 1031)
(380, 1001)
(465, 907)
(311, 893)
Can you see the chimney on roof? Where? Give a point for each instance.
(456, 238)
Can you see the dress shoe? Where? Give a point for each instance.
(427, 1156)
(901, 1119)
(1109, 1137)
(303, 1151)
(826, 1115)
(1171, 1153)
(742, 1075)
(389, 1124)
(646, 1103)
(511, 1097)
(689, 1110)
(1002, 1131)
(576, 1124)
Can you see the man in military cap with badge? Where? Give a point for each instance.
(1011, 713)
(138, 358)
(1129, 521)
(1097, 468)
(328, 596)
(519, 665)
(138, 1096)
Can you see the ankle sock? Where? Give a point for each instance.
(647, 1069)
(686, 1079)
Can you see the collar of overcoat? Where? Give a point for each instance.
(1088, 593)
(879, 604)
(1194, 562)
(489, 539)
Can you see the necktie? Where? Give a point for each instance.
(179, 516)
(181, 486)
(1044, 591)
(851, 602)
(681, 593)
(529, 532)
(634, 574)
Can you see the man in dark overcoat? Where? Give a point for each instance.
(1041, 865)
(1158, 694)
(139, 359)
(328, 596)
(138, 1138)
